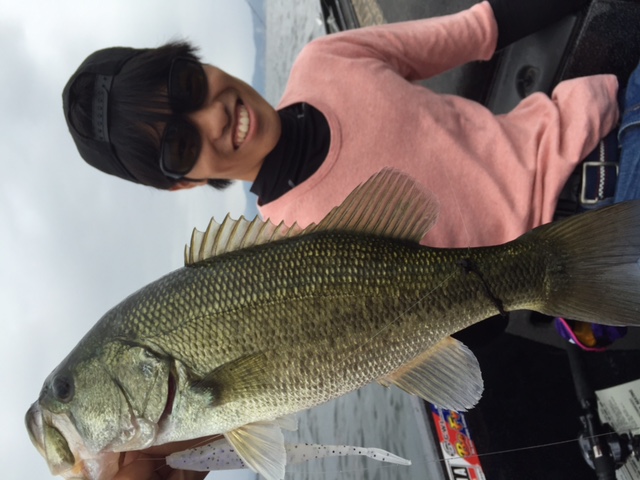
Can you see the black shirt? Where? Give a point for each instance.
(301, 149)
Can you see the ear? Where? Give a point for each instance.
(182, 185)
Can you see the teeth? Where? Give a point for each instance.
(243, 125)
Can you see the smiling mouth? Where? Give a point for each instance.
(242, 125)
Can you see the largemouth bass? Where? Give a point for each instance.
(265, 321)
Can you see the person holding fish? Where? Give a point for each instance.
(160, 117)
(163, 118)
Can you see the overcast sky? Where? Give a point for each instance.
(74, 242)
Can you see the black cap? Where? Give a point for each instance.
(97, 150)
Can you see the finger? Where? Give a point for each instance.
(169, 448)
(184, 475)
(137, 466)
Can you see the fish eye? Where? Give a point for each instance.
(62, 387)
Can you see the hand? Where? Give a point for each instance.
(150, 464)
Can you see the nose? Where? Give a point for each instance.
(212, 120)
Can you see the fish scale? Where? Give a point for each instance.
(348, 290)
(353, 296)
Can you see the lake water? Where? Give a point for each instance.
(290, 26)
(373, 416)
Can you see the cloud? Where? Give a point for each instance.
(75, 241)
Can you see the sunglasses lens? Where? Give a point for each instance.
(187, 85)
(180, 149)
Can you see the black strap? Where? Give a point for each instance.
(518, 18)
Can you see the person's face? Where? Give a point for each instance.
(238, 129)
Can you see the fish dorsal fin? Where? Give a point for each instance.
(260, 445)
(231, 235)
(389, 204)
(447, 375)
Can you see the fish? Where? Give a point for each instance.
(266, 320)
(220, 455)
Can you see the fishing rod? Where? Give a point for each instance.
(603, 449)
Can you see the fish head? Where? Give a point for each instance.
(93, 407)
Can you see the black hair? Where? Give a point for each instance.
(138, 110)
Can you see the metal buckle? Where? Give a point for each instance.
(583, 194)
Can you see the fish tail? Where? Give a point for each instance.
(594, 272)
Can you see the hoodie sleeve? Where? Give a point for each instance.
(417, 49)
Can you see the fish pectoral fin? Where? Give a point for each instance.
(243, 377)
(447, 375)
(288, 422)
(260, 445)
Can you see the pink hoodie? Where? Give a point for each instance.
(495, 177)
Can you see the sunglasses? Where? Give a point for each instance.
(180, 144)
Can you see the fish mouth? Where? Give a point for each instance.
(50, 442)
(35, 427)
(54, 447)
